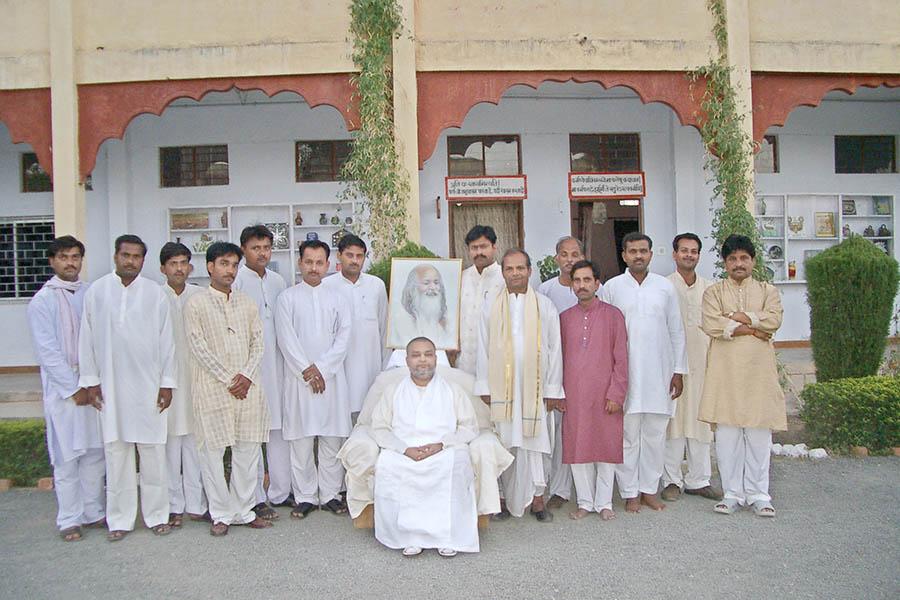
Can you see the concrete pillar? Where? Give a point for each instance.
(69, 209)
(406, 131)
(738, 26)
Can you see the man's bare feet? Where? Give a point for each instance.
(578, 514)
(607, 514)
(633, 505)
(652, 501)
(537, 504)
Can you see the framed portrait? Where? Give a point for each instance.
(825, 224)
(881, 205)
(848, 207)
(424, 301)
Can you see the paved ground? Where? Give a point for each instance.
(836, 536)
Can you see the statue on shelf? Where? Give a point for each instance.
(335, 220)
(224, 219)
(323, 220)
(845, 230)
(883, 231)
(869, 231)
(298, 219)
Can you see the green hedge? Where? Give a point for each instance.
(23, 451)
(853, 412)
(382, 268)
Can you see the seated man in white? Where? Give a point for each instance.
(359, 452)
(424, 483)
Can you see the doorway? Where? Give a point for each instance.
(601, 225)
(504, 217)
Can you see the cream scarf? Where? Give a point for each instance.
(70, 321)
(502, 368)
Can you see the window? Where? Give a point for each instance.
(34, 177)
(188, 166)
(865, 154)
(604, 152)
(766, 159)
(23, 257)
(481, 155)
(322, 160)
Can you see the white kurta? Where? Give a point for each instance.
(265, 291)
(656, 343)
(428, 503)
(181, 412)
(369, 313)
(71, 430)
(476, 289)
(126, 347)
(562, 295)
(314, 327)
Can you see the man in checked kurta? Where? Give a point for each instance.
(225, 335)
(519, 375)
(742, 398)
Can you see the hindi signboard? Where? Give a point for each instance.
(588, 186)
(500, 187)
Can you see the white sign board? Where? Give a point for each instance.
(606, 185)
(486, 188)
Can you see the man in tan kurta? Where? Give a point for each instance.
(742, 397)
(225, 335)
(686, 435)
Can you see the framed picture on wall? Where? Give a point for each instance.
(825, 224)
(848, 207)
(423, 300)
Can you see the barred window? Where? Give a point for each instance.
(189, 166)
(321, 160)
(34, 177)
(604, 152)
(23, 256)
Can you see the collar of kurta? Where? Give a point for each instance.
(315, 289)
(119, 280)
(221, 295)
(739, 284)
(265, 272)
(594, 305)
(487, 270)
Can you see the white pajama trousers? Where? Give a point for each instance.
(524, 479)
(699, 464)
(312, 483)
(185, 480)
(560, 474)
(278, 456)
(643, 454)
(79, 489)
(743, 455)
(122, 485)
(231, 505)
(594, 485)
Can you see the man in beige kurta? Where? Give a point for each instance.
(225, 334)
(686, 436)
(742, 397)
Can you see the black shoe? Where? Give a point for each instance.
(301, 510)
(543, 516)
(335, 506)
(501, 516)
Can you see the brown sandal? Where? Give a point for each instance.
(218, 529)
(176, 520)
(161, 529)
(71, 534)
(116, 535)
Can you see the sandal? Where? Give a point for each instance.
(763, 508)
(99, 524)
(161, 529)
(335, 506)
(264, 511)
(116, 535)
(71, 534)
(218, 529)
(727, 506)
(176, 520)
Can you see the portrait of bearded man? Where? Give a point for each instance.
(424, 301)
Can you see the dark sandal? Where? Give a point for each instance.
(116, 535)
(264, 511)
(335, 506)
(301, 510)
(218, 529)
(543, 516)
(161, 529)
(176, 520)
(71, 534)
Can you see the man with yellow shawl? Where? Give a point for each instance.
(519, 375)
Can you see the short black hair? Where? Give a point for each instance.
(687, 236)
(256, 231)
(512, 251)
(64, 242)
(220, 249)
(172, 249)
(636, 236)
(481, 231)
(313, 244)
(351, 240)
(129, 238)
(585, 264)
(735, 242)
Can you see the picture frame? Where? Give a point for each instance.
(825, 225)
(424, 285)
(881, 205)
(189, 220)
(848, 207)
(280, 237)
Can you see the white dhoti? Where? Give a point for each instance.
(594, 485)
(524, 479)
(743, 455)
(429, 503)
(643, 455)
(560, 474)
(78, 483)
(698, 463)
(122, 485)
(316, 479)
(185, 479)
(278, 464)
(231, 505)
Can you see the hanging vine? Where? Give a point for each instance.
(728, 148)
(373, 171)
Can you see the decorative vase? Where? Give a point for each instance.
(883, 231)
(224, 219)
(348, 221)
(761, 207)
(323, 220)
(312, 235)
(298, 219)
(792, 269)
(869, 231)
(335, 220)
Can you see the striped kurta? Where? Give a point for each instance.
(225, 335)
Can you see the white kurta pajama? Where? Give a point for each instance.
(428, 503)
(73, 432)
(185, 480)
(265, 291)
(314, 327)
(126, 346)
(656, 351)
(477, 288)
(527, 476)
(563, 298)
(368, 306)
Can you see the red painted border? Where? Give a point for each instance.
(477, 198)
(617, 197)
(446, 97)
(106, 109)
(26, 114)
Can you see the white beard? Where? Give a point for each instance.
(426, 309)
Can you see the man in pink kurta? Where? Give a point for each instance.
(595, 365)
